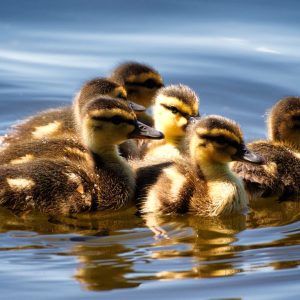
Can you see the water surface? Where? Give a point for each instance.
(240, 57)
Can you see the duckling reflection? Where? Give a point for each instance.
(279, 178)
(202, 244)
(94, 238)
(141, 83)
(90, 224)
(175, 107)
(102, 268)
(269, 213)
(103, 264)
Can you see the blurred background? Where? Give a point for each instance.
(239, 56)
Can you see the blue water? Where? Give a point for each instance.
(240, 57)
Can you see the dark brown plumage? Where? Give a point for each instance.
(24, 131)
(47, 148)
(49, 186)
(279, 177)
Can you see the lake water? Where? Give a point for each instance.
(240, 57)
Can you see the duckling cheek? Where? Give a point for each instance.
(231, 150)
(164, 122)
(141, 96)
(223, 157)
(182, 123)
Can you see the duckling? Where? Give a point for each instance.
(60, 121)
(202, 184)
(175, 106)
(141, 83)
(97, 179)
(279, 178)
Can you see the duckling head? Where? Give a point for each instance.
(107, 121)
(103, 87)
(140, 81)
(175, 106)
(218, 140)
(284, 122)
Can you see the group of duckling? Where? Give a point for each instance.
(103, 153)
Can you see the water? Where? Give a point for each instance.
(240, 57)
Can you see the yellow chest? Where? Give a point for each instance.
(227, 197)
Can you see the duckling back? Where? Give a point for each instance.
(49, 186)
(50, 123)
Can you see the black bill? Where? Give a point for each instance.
(246, 155)
(143, 131)
(136, 107)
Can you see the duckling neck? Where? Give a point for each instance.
(107, 153)
(174, 140)
(225, 190)
(109, 156)
(116, 180)
(214, 170)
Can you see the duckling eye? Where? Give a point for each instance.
(116, 120)
(150, 83)
(174, 110)
(121, 95)
(221, 140)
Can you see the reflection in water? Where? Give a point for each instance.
(209, 247)
(117, 250)
(103, 267)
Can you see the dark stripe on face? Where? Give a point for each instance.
(296, 118)
(220, 139)
(149, 83)
(121, 96)
(115, 120)
(175, 110)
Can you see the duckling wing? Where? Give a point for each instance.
(48, 186)
(280, 174)
(49, 123)
(260, 180)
